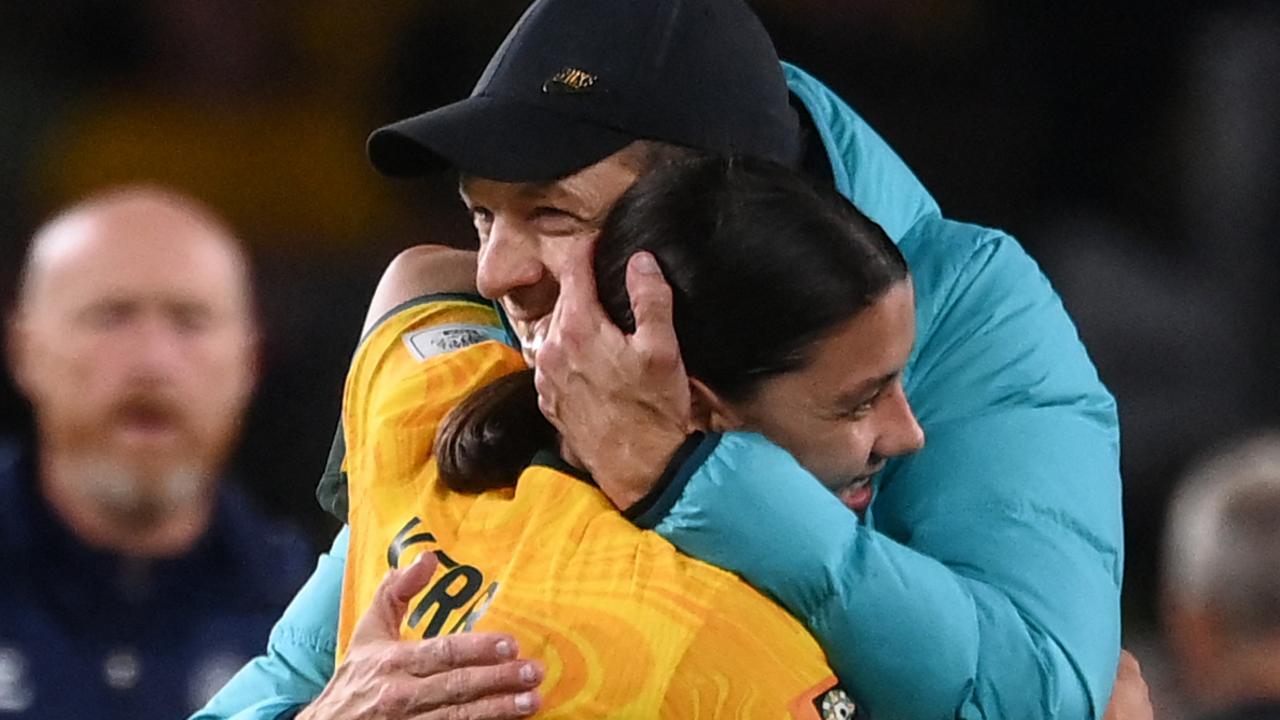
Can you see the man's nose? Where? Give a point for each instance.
(508, 261)
(158, 348)
(902, 433)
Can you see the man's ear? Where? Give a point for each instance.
(16, 350)
(1195, 637)
(253, 356)
(711, 412)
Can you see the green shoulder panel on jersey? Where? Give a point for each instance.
(331, 492)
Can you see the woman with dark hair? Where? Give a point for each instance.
(795, 317)
(770, 276)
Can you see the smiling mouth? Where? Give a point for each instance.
(857, 493)
(533, 343)
(148, 430)
(532, 334)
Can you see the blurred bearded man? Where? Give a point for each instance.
(135, 582)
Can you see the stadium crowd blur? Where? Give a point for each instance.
(1131, 147)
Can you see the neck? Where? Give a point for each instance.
(168, 532)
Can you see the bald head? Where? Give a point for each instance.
(122, 224)
(134, 340)
(1221, 589)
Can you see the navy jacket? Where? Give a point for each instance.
(87, 634)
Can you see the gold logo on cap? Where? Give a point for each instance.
(570, 80)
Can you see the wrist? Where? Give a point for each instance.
(629, 471)
(313, 710)
(649, 509)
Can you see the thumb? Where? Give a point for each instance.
(391, 600)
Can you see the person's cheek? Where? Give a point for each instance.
(855, 448)
(824, 453)
(99, 368)
(228, 364)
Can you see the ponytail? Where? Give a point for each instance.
(491, 436)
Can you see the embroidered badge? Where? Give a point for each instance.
(440, 339)
(570, 80)
(835, 704)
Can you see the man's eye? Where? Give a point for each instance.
(108, 315)
(192, 319)
(481, 216)
(551, 219)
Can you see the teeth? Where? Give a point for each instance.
(534, 343)
(536, 335)
(860, 482)
(854, 486)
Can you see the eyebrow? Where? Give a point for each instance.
(527, 188)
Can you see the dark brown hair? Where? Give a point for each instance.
(761, 263)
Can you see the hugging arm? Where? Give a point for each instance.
(298, 661)
(461, 676)
(987, 582)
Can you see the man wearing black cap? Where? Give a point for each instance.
(985, 579)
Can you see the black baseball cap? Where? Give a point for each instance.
(577, 80)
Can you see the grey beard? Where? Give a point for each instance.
(127, 501)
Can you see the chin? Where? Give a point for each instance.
(154, 491)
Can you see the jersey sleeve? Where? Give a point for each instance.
(410, 370)
(460, 320)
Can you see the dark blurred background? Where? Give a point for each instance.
(1133, 147)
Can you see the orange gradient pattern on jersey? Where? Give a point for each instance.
(625, 625)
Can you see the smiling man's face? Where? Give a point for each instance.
(842, 416)
(529, 232)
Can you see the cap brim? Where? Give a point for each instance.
(493, 138)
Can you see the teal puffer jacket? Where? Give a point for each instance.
(985, 582)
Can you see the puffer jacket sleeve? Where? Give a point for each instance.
(299, 657)
(986, 582)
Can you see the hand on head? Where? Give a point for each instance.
(468, 676)
(620, 402)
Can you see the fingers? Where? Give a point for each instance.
(577, 278)
(464, 686)
(502, 707)
(498, 691)
(577, 334)
(651, 304)
(462, 676)
(578, 315)
(450, 652)
(412, 579)
(391, 600)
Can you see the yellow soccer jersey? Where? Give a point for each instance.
(625, 624)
